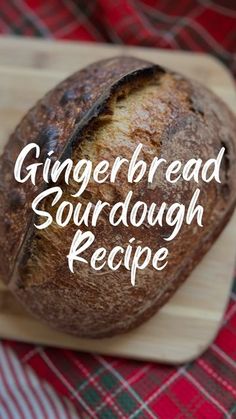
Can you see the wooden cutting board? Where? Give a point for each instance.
(187, 324)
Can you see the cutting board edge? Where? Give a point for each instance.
(54, 44)
(166, 53)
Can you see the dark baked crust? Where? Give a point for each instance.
(194, 123)
(50, 123)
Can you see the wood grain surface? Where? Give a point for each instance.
(186, 325)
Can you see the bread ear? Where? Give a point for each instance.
(55, 122)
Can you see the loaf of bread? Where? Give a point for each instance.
(101, 112)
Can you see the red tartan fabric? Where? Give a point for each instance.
(198, 25)
(103, 387)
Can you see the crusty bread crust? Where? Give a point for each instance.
(182, 119)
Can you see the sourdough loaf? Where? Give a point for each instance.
(98, 113)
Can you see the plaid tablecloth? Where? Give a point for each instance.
(37, 382)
